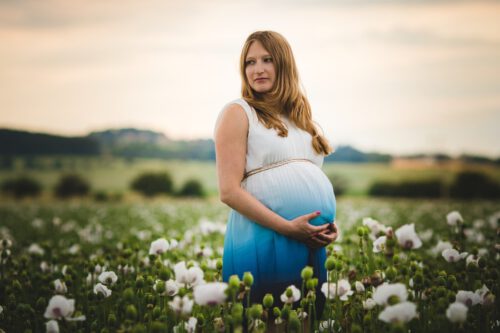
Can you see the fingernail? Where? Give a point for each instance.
(318, 212)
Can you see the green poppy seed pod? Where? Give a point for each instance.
(248, 279)
(293, 322)
(355, 328)
(150, 298)
(150, 280)
(103, 330)
(393, 300)
(234, 282)
(128, 294)
(139, 282)
(164, 274)
(237, 309)
(330, 263)
(360, 231)
(268, 301)
(396, 259)
(303, 302)
(41, 304)
(441, 291)
(391, 272)
(338, 265)
(289, 292)
(112, 319)
(285, 312)
(307, 273)
(139, 328)
(398, 328)
(390, 242)
(441, 281)
(367, 319)
(16, 286)
(256, 311)
(442, 273)
(442, 304)
(413, 266)
(156, 312)
(218, 264)
(131, 312)
(158, 327)
(310, 284)
(418, 278)
(160, 286)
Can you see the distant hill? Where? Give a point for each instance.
(132, 143)
(16, 142)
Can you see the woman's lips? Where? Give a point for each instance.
(260, 80)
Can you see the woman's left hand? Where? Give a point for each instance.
(329, 235)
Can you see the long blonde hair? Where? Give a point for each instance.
(286, 96)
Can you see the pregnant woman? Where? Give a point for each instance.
(269, 155)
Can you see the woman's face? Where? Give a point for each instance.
(259, 68)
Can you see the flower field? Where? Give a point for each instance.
(399, 266)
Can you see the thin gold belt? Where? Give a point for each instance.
(274, 165)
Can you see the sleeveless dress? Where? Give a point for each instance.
(290, 190)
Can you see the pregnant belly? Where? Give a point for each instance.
(293, 190)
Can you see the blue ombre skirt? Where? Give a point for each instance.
(274, 260)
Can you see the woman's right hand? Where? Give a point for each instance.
(301, 230)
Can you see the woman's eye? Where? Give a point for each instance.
(249, 62)
(268, 60)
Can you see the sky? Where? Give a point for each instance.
(400, 76)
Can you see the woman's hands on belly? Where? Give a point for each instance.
(303, 231)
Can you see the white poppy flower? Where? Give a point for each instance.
(452, 255)
(159, 246)
(407, 237)
(472, 260)
(454, 219)
(60, 287)
(369, 304)
(182, 305)
(36, 249)
(212, 293)
(457, 312)
(440, 247)
(74, 249)
(385, 291)
(108, 277)
(59, 307)
(44, 266)
(52, 326)
(399, 313)
(326, 326)
(102, 289)
(359, 287)
(190, 326)
(426, 235)
(375, 227)
(294, 297)
(379, 244)
(343, 290)
(467, 298)
(191, 277)
(171, 287)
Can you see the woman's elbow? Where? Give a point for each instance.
(226, 195)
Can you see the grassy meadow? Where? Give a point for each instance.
(115, 174)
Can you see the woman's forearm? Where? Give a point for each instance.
(246, 204)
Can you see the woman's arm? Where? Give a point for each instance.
(230, 147)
